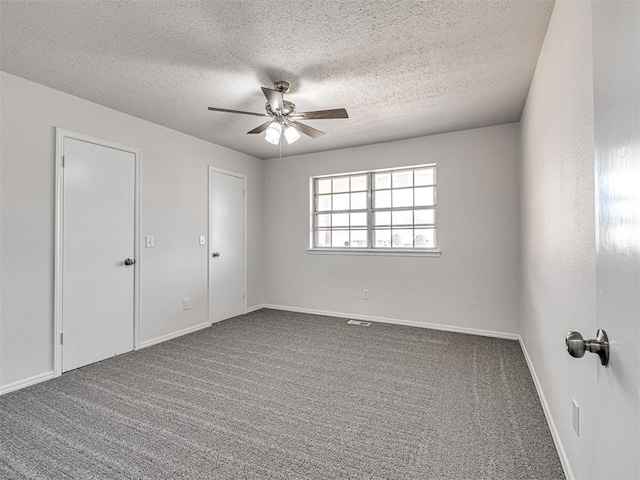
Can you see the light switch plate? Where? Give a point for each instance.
(148, 241)
(201, 239)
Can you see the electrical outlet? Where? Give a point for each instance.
(186, 303)
(365, 294)
(576, 417)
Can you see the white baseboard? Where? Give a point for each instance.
(169, 336)
(49, 375)
(254, 308)
(27, 382)
(564, 460)
(395, 321)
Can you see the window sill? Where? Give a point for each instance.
(396, 252)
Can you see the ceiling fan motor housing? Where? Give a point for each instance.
(288, 109)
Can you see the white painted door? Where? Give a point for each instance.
(616, 47)
(226, 246)
(97, 237)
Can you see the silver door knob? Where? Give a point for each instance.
(129, 261)
(577, 345)
(215, 254)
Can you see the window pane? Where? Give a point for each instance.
(341, 184)
(324, 203)
(403, 198)
(425, 217)
(324, 185)
(358, 239)
(341, 201)
(358, 183)
(382, 218)
(359, 201)
(424, 177)
(425, 196)
(323, 238)
(425, 238)
(323, 220)
(382, 238)
(340, 220)
(359, 219)
(403, 217)
(340, 238)
(382, 199)
(403, 179)
(402, 238)
(382, 180)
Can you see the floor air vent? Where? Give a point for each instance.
(358, 322)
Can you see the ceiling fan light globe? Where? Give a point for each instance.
(273, 133)
(291, 134)
(273, 139)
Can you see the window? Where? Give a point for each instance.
(393, 209)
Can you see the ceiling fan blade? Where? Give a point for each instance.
(237, 111)
(261, 128)
(274, 98)
(307, 130)
(321, 114)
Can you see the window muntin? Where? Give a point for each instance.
(382, 209)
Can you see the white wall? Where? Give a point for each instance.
(174, 173)
(472, 285)
(557, 282)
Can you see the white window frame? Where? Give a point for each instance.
(371, 250)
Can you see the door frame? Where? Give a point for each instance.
(61, 135)
(210, 172)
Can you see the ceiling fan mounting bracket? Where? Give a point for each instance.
(281, 86)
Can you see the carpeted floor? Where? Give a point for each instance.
(284, 395)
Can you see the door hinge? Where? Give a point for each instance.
(62, 161)
(244, 294)
(61, 338)
(243, 193)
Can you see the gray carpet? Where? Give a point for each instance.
(283, 395)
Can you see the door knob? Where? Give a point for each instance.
(576, 345)
(215, 254)
(129, 261)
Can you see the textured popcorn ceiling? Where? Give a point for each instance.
(401, 68)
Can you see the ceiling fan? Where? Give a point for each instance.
(284, 118)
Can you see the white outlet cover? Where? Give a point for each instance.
(186, 303)
(148, 241)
